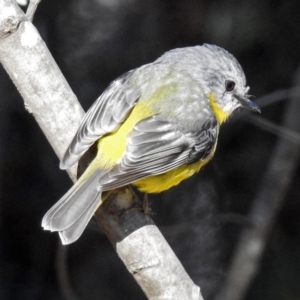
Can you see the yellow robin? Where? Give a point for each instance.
(154, 127)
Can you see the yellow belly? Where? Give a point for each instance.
(163, 182)
(160, 183)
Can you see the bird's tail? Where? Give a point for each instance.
(71, 214)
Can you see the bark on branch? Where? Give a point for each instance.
(48, 97)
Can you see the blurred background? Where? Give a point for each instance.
(95, 41)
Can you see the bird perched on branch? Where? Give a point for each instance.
(154, 127)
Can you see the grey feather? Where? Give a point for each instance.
(74, 204)
(206, 140)
(73, 233)
(104, 116)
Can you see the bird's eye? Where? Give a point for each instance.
(229, 85)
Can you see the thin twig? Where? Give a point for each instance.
(277, 96)
(62, 272)
(33, 4)
(261, 122)
(269, 99)
(273, 128)
(283, 164)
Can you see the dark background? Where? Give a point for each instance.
(94, 42)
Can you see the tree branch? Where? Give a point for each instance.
(143, 249)
(37, 77)
(48, 97)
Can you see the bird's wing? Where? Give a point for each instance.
(104, 116)
(156, 146)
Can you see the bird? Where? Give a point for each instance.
(153, 127)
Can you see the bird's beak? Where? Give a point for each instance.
(247, 103)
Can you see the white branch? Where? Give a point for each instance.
(43, 87)
(155, 267)
(48, 97)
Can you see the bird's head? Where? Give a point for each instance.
(226, 80)
(218, 73)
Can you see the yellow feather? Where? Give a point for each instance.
(220, 114)
(111, 147)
